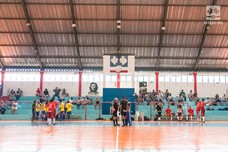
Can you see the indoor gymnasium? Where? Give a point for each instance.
(113, 75)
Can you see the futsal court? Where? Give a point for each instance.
(103, 137)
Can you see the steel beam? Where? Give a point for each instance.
(118, 29)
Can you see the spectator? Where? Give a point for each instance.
(14, 107)
(18, 94)
(180, 113)
(182, 93)
(63, 95)
(159, 107)
(71, 100)
(78, 103)
(170, 100)
(96, 103)
(11, 96)
(56, 92)
(190, 96)
(46, 94)
(180, 98)
(168, 113)
(224, 98)
(166, 95)
(2, 107)
(190, 113)
(33, 111)
(38, 92)
(217, 99)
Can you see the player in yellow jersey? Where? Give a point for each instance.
(69, 107)
(43, 110)
(61, 110)
(37, 108)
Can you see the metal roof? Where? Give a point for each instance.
(39, 34)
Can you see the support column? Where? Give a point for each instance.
(41, 80)
(195, 81)
(2, 81)
(80, 84)
(118, 80)
(157, 81)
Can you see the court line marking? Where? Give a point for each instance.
(117, 139)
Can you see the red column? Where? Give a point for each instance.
(118, 80)
(2, 80)
(195, 81)
(41, 80)
(80, 83)
(157, 81)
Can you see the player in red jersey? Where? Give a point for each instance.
(190, 113)
(198, 108)
(168, 113)
(202, 104)
(52, 105)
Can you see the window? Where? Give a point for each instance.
(167, 78)
(145, 79)
(96, 78)
(152, 79)
(173, 79)
(178, 78)
(90, 78)
(200, 79)
(216, 78)
(113, 78)
(84, 77)
(190, 78)
(184, 78)
(205, 79)
(140, 78)
(211, 79)
(223, 79)
(161, 79)
(129, 78)
(123, 78)
(108, 78)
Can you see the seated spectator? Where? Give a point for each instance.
(71, 100)
(2, 107)
(170, 100)
(168, 113)
(11, 97)
(78, 102)
(195, 96)
(224, 98)
(217, 99)
(180, 113)
(180, 98)
(182, 93)
(88, 100)
(14, 107)
(190, 113)
(190, 96)
(18, 94)
(63, 94)
(46, 94)
(38, 92)
(56, 92)
(96, 103)
(12, 91)
(209, 103)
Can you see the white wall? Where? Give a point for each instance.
(209, 84)
(27, 82)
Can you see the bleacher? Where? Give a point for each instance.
(24, 111)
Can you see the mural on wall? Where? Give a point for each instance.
(142, 88)
(93, 87)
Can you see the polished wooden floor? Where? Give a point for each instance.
(102, 136)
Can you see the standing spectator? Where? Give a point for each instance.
(114, 112)
(123, 109)
(11, 96)
(182, 93)
(190, 96)
(18, 94)
(46, 94)
(159, 107)
(170, 100)
(56, 92)
(166, 95)
(33, 111)
(96, 103)
(63, 95)
(14, 107)
(61, 110)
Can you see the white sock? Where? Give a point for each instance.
(53, 120)
(186, 117)
(49, 121)
(191, 118)
(203, 118)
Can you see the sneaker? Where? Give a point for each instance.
(117, 124)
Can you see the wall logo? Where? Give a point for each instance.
(121, 61)
(213, 14)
